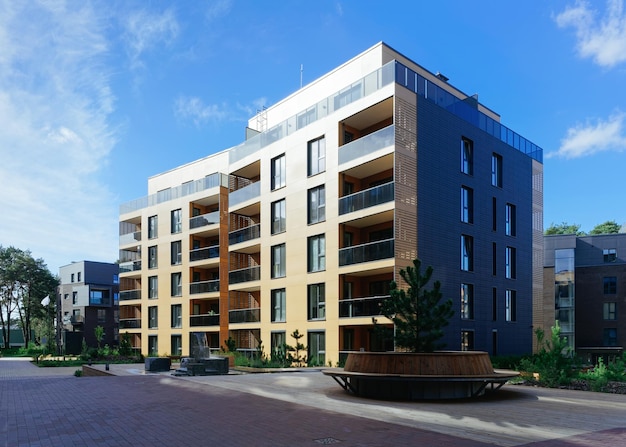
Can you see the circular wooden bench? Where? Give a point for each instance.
(418, 376)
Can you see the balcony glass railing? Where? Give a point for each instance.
(373, 251)
(244, 275)
(130, 238)
(252, 315)
(130, 295)
(366, 145)
(130, 323)
(204, 220)
(244, 194)
(204, 253)
(365, 199)
(204, 286)
(204, 320)
(77, 319)
(131, 266)
(361, 307)
(244, 234)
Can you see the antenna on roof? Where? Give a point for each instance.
(301, 70)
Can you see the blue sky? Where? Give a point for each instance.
(95, 97)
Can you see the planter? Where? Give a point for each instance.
(158, 364)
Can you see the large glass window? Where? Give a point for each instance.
(467, 156)
(279, 305)
(279, 340)
(279, 171)
(511, 217)
(317, 156)
(153, 345)
(153, 317)
(467, 205)
(511, 305)
(177, 284)
(467, 253)
(496, 170)
(152, 227)
(177, 345)
(317, 348)
(279, 261)
(99, 297)
(609, 336)
(467, 301)
(176, 251)
(609, 311)
(467, 340)
(511, 263)
(610, 285)
(153, 287)
(317, 253)
(177, 221)
(152, 257)
(317, 301)
(279, 216)
(317, 204)
(177, 316)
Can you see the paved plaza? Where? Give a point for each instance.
(51, 407)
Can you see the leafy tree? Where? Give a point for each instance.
(99, 333)
(418, 316)
(608, 227)
(564, 228)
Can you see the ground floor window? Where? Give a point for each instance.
(467, 340)
(317, 348)
(153, 346)
(177, 345)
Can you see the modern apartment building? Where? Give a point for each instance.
(87, 297)
(585, 282)
(336, 188)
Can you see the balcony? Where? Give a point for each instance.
(126, 295)
(252, 315)
(204, 253)
(130, 238)
(367, 145)
(130, 323)
(204, 320)
(204, 287)
(77, 319)
(361, 307)
(244, 275)
(130, 266)
(244, 234)
(372, 251)
(244, 194)
(204, 220)
(367, 198)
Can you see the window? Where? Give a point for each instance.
(494, 214)
(153, 317)
(510, 269)
(467, 340)
(467, 205)
(610, 311)
(317, 204)
(317, 301)
(152, 227)
(317, 253)
(78, 276)
(74, 297)
(279, 169)
(467, 253)
(72, 277)
(610, 255)
(467, 301)
(317, 348)
(153, 287)
(102, 316)
(496, 170)
(494, 304)
(511, 305)
(176, 252)
(609, 337)
(177, 316)
(279, 216)
(278, 261)
(279, 303)
(177, 221)
(610, 285)
(116, 278)
(99, 297)
(467, 156)
(152, 257)
(177, 284)
(177, 345)
(494, 258)
(153, 345)
(279, 340)
(510, 220)
(317, 156)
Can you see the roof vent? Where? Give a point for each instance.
(442, 77)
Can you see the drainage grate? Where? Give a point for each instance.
(327, 441)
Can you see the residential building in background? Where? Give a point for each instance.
(585, 282)
(336, 189)
(88, 297)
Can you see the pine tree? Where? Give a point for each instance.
(418, 316)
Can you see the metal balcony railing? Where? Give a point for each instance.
(361, 307)
(244, 234)
(130, 295)
(244, 275)
(204, 253)
(130, 323)
(373, 251)
(367, 198)
(204, 286)
(252, 315)
(204, 320)
(366, 145)
(131, 266)
(204, 220)
(130, 238)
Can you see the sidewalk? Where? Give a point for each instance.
(39, 408)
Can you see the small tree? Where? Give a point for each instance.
(564, 228)
(99, 333)
(418, 316)
(608, 227)
(294, 353)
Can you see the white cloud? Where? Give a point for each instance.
(145, 31)
(55, 103)
(590, 138)
(603, 40)
(217, 9)
(195, 110)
